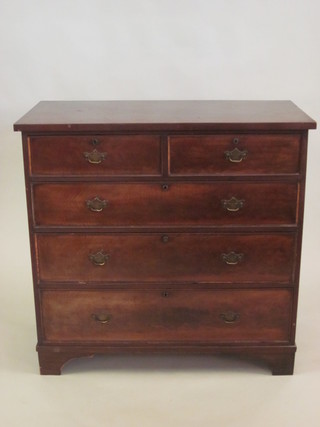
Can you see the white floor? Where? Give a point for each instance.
(145, 391)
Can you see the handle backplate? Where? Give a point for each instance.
(100, 258)
(229, 316)
(236, 155)
(101, 317)
(232, 258)
(96, 204)
(233, 204)
(95, 157)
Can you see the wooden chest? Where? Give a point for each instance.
(165, 226)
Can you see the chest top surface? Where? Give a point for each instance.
(78, 116)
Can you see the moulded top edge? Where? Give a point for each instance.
(50, 116)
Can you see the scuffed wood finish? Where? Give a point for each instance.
(122, 155)
(263, 316)
(52, 359)
(179, 204)
(206, 154)
(164, 266)
(265, 258)
(279, 359)
(120, 116)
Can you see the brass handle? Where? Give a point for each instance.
(236, 155)
(100, 258)
(230, 316)
(232, 258)
(96, 204)
(95, 157)
(101, 318)
(233, 204)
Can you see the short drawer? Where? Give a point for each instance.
(234, 154)
(154, 258)
(79, 155)
(173, 204)
(233, 316)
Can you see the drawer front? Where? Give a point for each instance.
(95, 155)
(223, 258)
(232, 316)
(232, 154)
(185, 204)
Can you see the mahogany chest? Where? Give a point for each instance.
(165, 226)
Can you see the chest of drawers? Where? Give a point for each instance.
(165, 226)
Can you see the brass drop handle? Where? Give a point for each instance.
(95, 157)
(230, 316)
(232, 258)
(96, 204)
(236, 155)
(233, 204)
(99, 258)
(101, 318)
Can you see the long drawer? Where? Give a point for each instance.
(215, 258)
(95, 155)
(231, 316)
(153, 204)
(234, 154)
